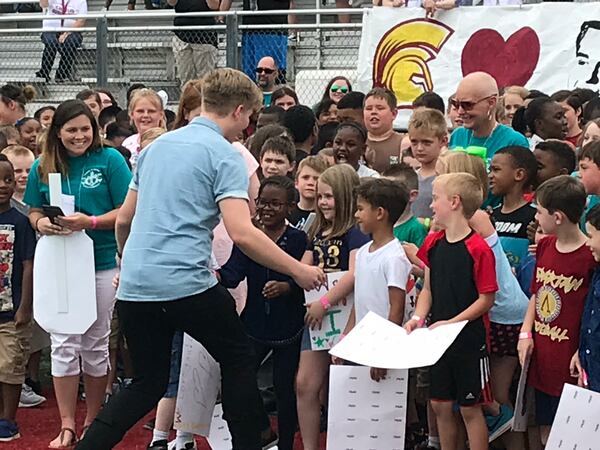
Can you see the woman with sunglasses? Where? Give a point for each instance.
(337, 88)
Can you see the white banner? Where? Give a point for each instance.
(548, 46)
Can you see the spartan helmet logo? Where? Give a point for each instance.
(401, 58)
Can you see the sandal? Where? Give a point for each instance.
(71, 443)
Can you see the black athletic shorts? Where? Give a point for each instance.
(461, 378)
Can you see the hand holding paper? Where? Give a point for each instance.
(377, 342)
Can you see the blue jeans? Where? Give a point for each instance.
(256, 45)
(67, 50)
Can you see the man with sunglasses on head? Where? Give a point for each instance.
(267, 73)
(475, 102)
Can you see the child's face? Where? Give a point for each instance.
(441, 204)
(29, 133)
(590, 176)
(512, 102)
(328, 116)
(285, 102)
(425, 147)
(22, 166)
(273, 163)
(548, 166)
(367, 217)
(570, 114)
(548, 222)
(502, 174)
(272, 206)
(306, 183)
(378, 116)
(46, 118)
(593, 241)
(348, 147)
(326, 201)
(592, 133)
(146, 115)
(93, 105)
(350, 115)
(7, 183)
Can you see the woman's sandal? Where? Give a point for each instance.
(71, 443)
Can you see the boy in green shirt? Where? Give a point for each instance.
(407, 228)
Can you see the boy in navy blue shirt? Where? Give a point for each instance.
(585, 364)
(17, 246)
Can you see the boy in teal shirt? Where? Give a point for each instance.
(407, 228)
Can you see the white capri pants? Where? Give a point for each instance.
(92, 346)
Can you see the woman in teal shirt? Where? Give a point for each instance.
(97, 180)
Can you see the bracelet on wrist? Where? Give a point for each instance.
(325, 303)
(420, 322)
(525, 335)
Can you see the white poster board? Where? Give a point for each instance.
(577, 422)
(377, 342)
(366, 414)
(335, 319)
(64, 276)
(199, 385)
(546, 46)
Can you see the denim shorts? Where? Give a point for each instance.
(176, 351)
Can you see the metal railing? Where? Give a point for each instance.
(116, 49)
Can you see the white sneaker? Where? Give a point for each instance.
(29, 398)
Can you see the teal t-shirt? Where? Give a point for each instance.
(411, 231)
(99, 181)
(501, 137)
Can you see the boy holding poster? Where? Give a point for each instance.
(460, 284)
(382, 270)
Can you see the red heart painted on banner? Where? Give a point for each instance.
(510, 62)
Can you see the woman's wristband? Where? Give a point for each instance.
(420, 322)
(525, 335)
(325, 303)
(94, 222)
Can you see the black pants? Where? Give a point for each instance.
(211, 319)
(285, 365)
(67, 50)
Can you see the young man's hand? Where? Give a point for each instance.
(274, 289)
(314, 315)
(524, 349)
(378, 374)
(23, 316)
(310, 277)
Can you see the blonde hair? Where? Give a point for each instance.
(316, 163)
(429, 121)
(517, 90)
(223, 90)
(342, 178)
(457, 162)
(150, 136)
(16, 151)
(147, 94)
(190, 99)
(466, 187)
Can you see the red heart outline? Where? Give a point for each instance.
(510, 62)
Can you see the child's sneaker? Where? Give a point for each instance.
(187, 446)
(500, 424)
(28, 398)
(8, 431)
(158, 445)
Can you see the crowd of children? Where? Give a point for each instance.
(495, 222)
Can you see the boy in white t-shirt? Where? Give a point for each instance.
(382, 270)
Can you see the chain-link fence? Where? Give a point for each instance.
(114, 53)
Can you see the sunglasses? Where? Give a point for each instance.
(342, 89)
(264, 70)
(468, 106)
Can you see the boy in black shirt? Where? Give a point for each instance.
(512, 177)
(17, 246)
(462, 373)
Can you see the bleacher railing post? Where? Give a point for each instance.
(232, 34)
(102, 52)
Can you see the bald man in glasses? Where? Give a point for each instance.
(475, 101)
(267, 74)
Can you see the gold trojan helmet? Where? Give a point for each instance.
(401, 58)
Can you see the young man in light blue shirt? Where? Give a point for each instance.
(184, 182)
